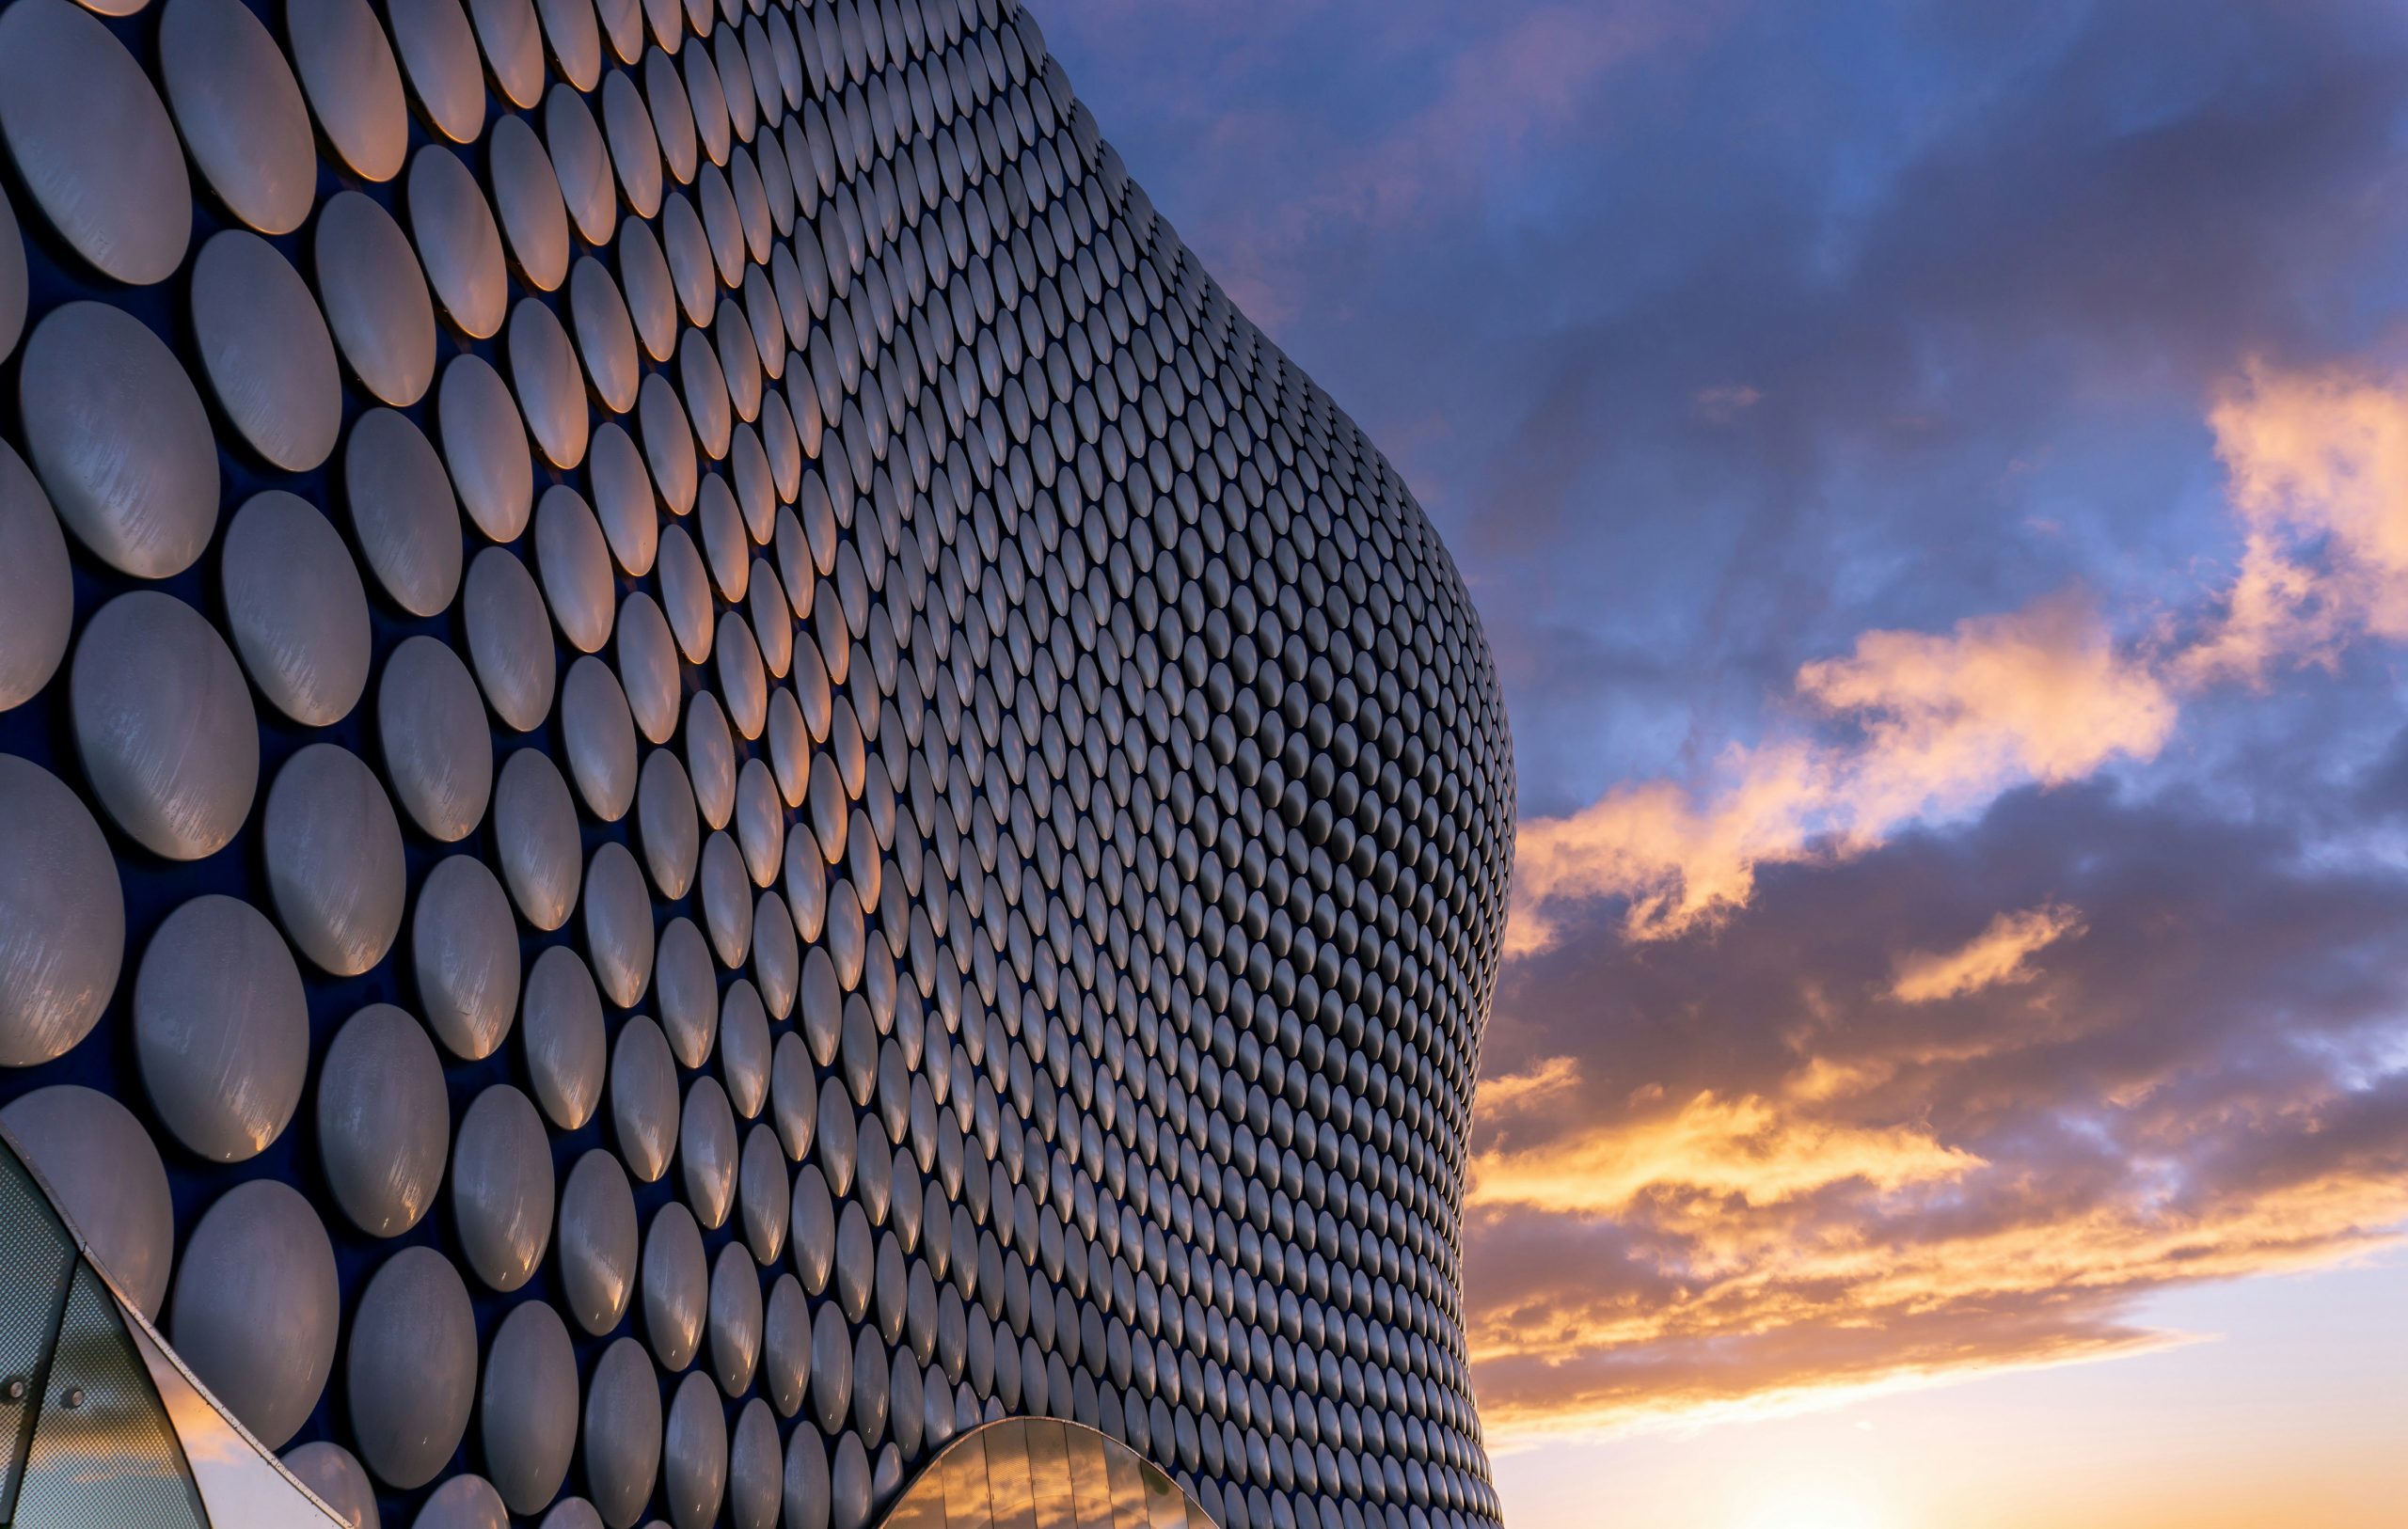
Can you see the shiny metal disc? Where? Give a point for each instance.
(459, 245)
(354, 84)
(221, 1028)
(402, 512)
(743, 679)
(438, 749)
(527, 196)
(574, 558)
(832, 1369)
(501, 1187)
(668, 443)
(676, 1287)
(622, 499)
(635, 148)
(337, 1478)
(763, 1194)
(694, 1454)
(374, 296)
(777, 956)
(684, 990)
(439, 53)
(464, 949)
(513, 47)
(794, 1095)
(580, 159)
(812, 1229)
(240, 111)
(535, 825)
(644, 1099)
(14, 279)
(266, 351)
(550, 387)
(528, 1406)
(744, 1048)
(755, 1467)
(651, 292)
(727, 900)
(410, 1368)
(600, 737)
(667, 825)
(509, 639)
(104, 1174)
(786, 1346)
(92, 142)
(117, 435)
(164, 725)
(707, 1152)
(259, 1262)
(484, 444)
(567, 1050)
(710, 755)
(685, 593)
(295, 607)
(606, 336)
(62, 916)
(648, 667)
(806, 1482)
(760, 822)
(383, 1119)
(335, 869)
(597, 1242)
(618, 925)
(465, 1501)
(622, 1439)
(576, 40)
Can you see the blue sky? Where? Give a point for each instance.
(1865, 430)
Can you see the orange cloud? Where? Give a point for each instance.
(1941, 724)
(1732, 1258)
(1995, 957)
(2318, 463)
(1745, 1149)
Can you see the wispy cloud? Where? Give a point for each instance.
(1928, 725)
(2318, 465)
(1999, 955)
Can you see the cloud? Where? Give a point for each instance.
(1933, 725)
(1997, 957)
(1745, 1149)
(2318, 460)
(1758, 1177)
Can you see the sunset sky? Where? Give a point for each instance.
(1936, 479)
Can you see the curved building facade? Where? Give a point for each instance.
(706, 780)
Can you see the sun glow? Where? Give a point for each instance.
(1790, 1506)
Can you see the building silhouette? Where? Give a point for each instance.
(716, 804)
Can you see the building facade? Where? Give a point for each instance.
(706, 780)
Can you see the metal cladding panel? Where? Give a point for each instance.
(706, 773)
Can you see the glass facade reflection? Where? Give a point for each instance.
(712, 785)
(1043, 1474)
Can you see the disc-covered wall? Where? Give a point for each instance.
(704, 773)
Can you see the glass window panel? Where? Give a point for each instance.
(922, 1508)
(1090, 1480)
(1166, 1504)
(1049, 1470)
(967, 1504)
(1007, 1469)
(102, 1452)
(1127, 1491)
